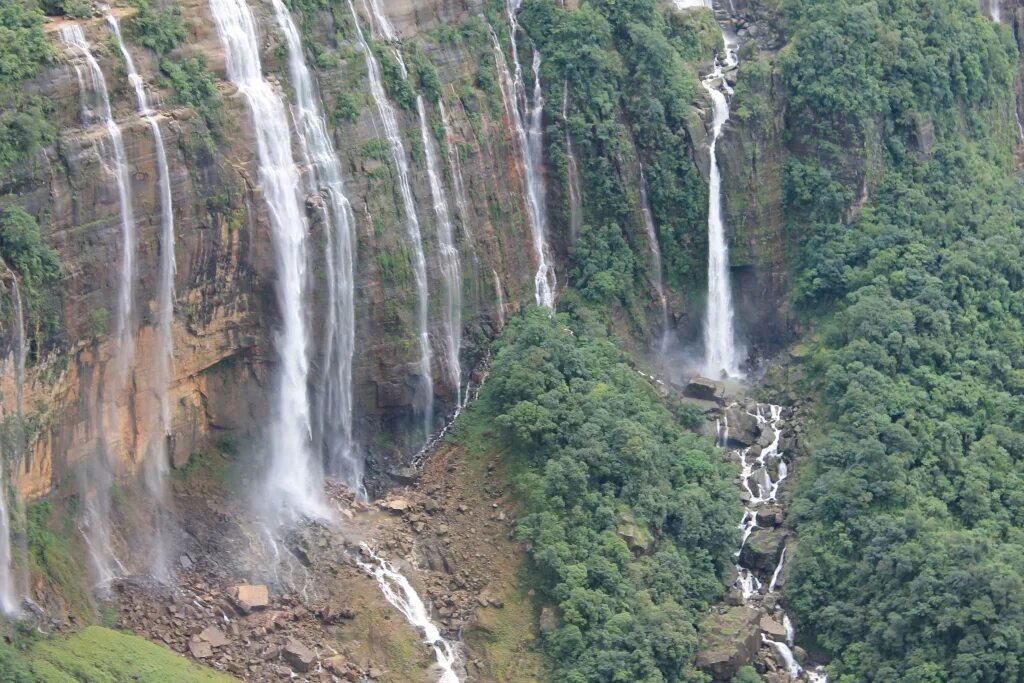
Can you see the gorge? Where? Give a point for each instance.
(511, 340)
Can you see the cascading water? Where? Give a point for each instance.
(531, 146)
(334, 411)
(9, 602)
(499, 292)
(461, 198)
(425, 395)
(760, 489)
(720, 353)
(572, 169)
(157, 464)
(403, 597)
(996, 10)
(293, 482)
(657, 278)
(97, 476)
(448, 255)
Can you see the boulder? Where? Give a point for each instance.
(214, 636)
(743, 427)
(298, 656)
(705, 389)
(548, 620)
(396, 505)
(200, 649)
(772, 628)
(249, 597)
(729, 639)
(762, 550)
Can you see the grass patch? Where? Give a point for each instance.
(102, 655)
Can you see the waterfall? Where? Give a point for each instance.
(403, 597)
(461, 200)
(334, 412)
(425, 397)
(531, 146)
(448, 255)
(293, 478)
(157, 465)
(499, 291)
(9, 602)
(720, 354)
(657, 278)
(97, 476)
(996, 10)
(572, 167)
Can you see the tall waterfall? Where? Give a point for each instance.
(157, 464)
(720, 354)
(996, 10)
(531, 145)
(334, 410)
(97, 476)
(657, 278)
(293, 479)
(448, 255)
(461, 198)
(425, 395)
(9, 602)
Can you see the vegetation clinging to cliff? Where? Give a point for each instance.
(911, 561)
(24, 50)
(631, 519)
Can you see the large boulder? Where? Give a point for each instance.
(705, 389)
(729, 639)
(762, 550)
(743, 427)
(298, 656)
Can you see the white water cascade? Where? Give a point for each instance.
(9, 602)
(448, 255)
(720, 353)
(403, 597)
(334, 410)
(157, 463)
(657, 278)
(96, 477)
(995, 8)
(461, 198)
(499, 293)
(756, 481)
(425, 395)
(293, 482)
(531, 146)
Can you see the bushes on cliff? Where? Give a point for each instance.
(24, 50)
(23, 249)
(630, 518)
(910, 567)
(161, 30)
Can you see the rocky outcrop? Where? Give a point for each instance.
(730, 638)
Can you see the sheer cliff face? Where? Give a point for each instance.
(225, 311)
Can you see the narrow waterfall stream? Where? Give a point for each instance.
(10, 603)
(573, 172)
(293, 482)
(448, 255)
(96, 478)
(403, 597)
(657, 278)
(763, 469)
(461, 198)
(334, 410)
(531, 146)
(425, 395)
(157, 458)
(720, 354)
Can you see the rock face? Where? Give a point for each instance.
(729, 640)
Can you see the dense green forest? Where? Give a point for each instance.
(630, 517)
(911, 559)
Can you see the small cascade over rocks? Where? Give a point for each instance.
(96, 477)
(720, 353)
(758, 629)
(531, 145)
(448, 256)
(324, 178)
(157, 458)
(293, 483)
(425, 395)
(402, 596)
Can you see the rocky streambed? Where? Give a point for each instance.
(751, 627)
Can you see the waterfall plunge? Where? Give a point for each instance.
(334, 411)
(157, 465)
(292, 482)
(448, 255)
(720, 353)
(425, 395)
(9, 602)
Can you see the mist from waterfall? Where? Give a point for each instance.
(157, 465)
(720, 353)
(425, 393)
(96, 476)
(447, 254)
(324, 178)
(293, 481)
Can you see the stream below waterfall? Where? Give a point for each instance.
(764, 467)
